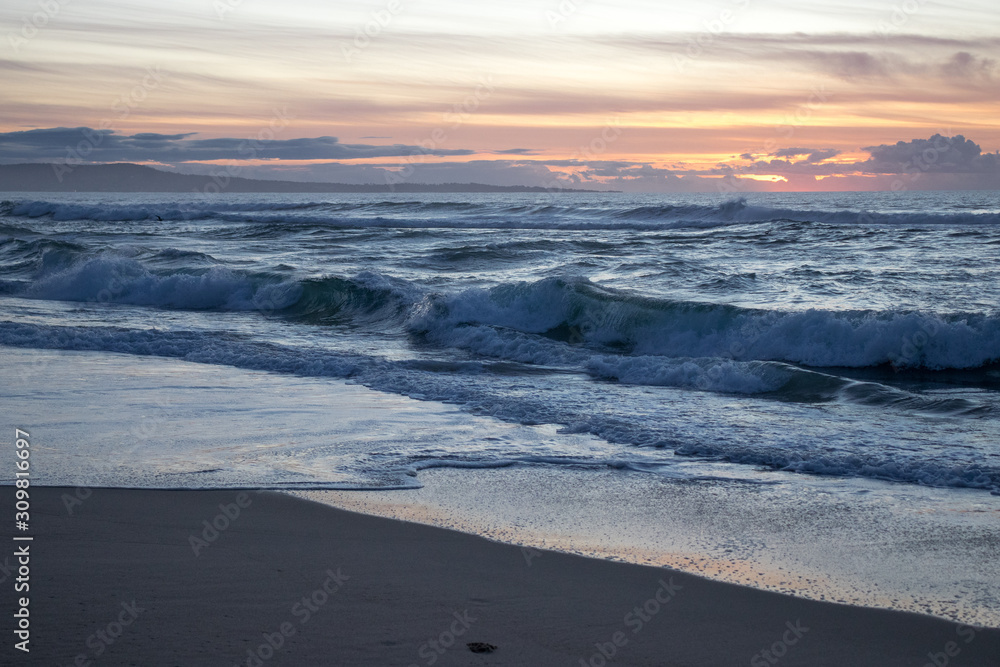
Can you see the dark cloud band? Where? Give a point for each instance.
(108, 146)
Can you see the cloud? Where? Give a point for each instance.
(966, 66)
(90, 145)
(16, 65)
(940, 162)
(854, 64)
(812, 154)
(749, 43)
(960, 68)
(937, 163)
(939, 154)
(848, 57)
(154, 137)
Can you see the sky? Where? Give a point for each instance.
(637, 96)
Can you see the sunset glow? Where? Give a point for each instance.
(510, 94)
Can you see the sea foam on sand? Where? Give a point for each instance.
(160, 423)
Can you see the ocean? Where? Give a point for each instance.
(789, 342)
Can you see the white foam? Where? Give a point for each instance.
(579, 410)
(725, 375)
(469, 215)
(118, 279)
(486, 321)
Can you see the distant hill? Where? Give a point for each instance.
(126, 177)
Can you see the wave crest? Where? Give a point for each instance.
(482, 215)
(579, 312)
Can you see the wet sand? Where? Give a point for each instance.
(144, 577)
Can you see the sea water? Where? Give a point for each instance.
(772, 339)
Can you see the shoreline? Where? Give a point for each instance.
(329, 586)
(856, 541)
(921, 550)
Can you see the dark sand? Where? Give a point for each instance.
(125, 557)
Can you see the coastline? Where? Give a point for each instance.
(383, 590)
(859, 542)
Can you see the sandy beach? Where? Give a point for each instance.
(582, 334)
(141, 577)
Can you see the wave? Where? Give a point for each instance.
(29, 258)
(109, 278)
(519, 320)
(120, 213)
(53, 269)
(608, 215)
(365, 298)
(887, 467)
(553, 321)
(195, 346)
(774, 379)
(114, 279)
(469, 385)
(560, 321)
